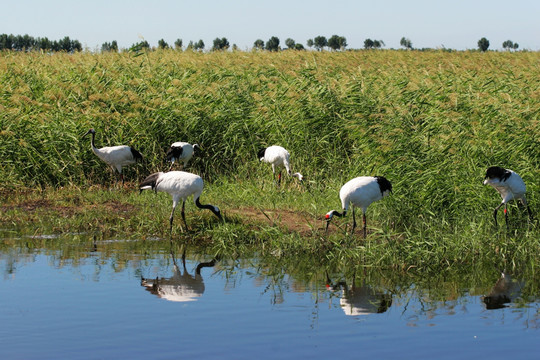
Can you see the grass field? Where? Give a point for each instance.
(430, 122)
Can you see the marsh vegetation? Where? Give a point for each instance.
(430, 122)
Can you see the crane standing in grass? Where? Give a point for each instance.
(181, 151)
(115, 156)
(361, 192)
(279, 158)
(180, 185)
(509, 185)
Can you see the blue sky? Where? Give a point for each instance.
(456, 24)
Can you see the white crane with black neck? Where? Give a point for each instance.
(509, 185)
(360, 192)
(181, 151)
(180, 185)
(115, 156)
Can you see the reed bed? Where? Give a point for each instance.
(430, 122)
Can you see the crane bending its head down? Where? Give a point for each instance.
(509, 185)
(360, 192)
(279, 158)
(180, 185)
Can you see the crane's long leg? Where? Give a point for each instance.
(528, 209)
(495, 213)
(364, 221)
(506, 214)
(353, 221)
(183, 214)
(171, 217)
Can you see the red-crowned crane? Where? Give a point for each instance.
(279, 158)
(181, 151)
(180, 185)
(115, 156)
(360, 192)
(509, 185)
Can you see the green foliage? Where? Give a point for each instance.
(337, 42)
(320, 42)
(483, 44)
(220, 44)
(430, 122)
(406, 43)
(272, 44)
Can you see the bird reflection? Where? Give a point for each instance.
(503, 292)
(361, 300)
(181, 286)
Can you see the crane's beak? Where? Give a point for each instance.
(88, 132)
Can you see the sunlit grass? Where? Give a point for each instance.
(429, 122)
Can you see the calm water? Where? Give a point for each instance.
(86, 302)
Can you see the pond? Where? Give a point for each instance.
(104, 299)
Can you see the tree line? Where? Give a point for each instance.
(29, 43)
(334, 43)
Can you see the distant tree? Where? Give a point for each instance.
(483, 44)
(337, 42)
(406, 43)
(310, 43)
(5, 42)
(368, 44)
(290, 43)
(272, 44)
(235, 47)
(190, 46)
(178, 44)
(109, 47)
(44, 44)
(320, 42)
(377, 44)
(509, 45)
(258, 44)
(199, 45)
(298, 46)
(220, 44)
(162, 44)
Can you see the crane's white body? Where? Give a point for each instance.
(180, 185)
(115, 156)
(509, 185)
(187, 151)
(278, 157)
(510, 189)
(360, 192)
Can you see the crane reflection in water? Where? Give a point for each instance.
(357, 300)
(181, 286)
(505, 291)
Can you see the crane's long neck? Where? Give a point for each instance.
(338, 214)
(92, 142)
(212, 208)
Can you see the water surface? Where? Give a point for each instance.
(96, 302)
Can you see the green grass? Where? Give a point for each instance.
(430, 122)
